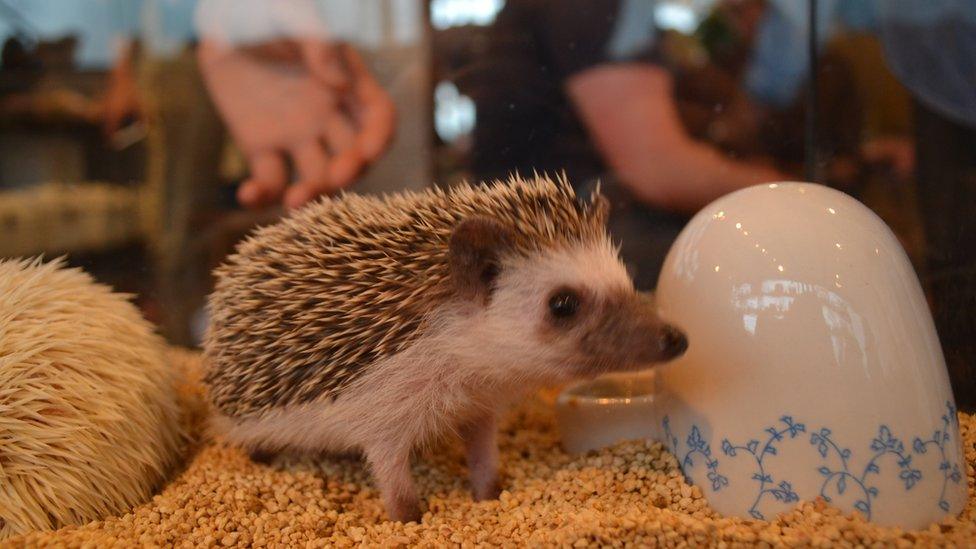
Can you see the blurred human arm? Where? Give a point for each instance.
(120, 100)
(629, 111)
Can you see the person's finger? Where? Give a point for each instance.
(354, 62)
(267, 182)
(313, 166)
(376, 111)
(377, 123)
(323, 61)
(340, 138)
(302, 193)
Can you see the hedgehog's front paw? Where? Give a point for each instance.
(486, 489)
(404, 509)
(482, 450)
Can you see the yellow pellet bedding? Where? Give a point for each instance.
(630, 495)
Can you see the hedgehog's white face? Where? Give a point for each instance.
(565, 313)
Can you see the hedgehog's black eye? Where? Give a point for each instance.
(564, 304)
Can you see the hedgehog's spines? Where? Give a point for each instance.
(87, 399)
(303, 306)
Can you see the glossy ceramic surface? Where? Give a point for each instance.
(813, 368)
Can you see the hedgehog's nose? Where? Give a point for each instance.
(672, 343)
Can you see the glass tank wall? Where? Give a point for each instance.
(143, 139)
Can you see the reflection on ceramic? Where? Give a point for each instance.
(605, 411)
(813, 367)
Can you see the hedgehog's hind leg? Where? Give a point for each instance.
(391, 472)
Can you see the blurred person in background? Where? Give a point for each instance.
(300, 104)
(281, 78)
(931, 48)
(156, 81)
(579, 86)
(742, 84)
(287, 90)
(710, 68)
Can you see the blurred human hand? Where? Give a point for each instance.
(120, 100)
(314, 103)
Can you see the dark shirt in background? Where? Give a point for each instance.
(526, 122)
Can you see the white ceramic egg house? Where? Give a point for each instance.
(814, 369)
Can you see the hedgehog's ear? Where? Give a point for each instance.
(475, 248)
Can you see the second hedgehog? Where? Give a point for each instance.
(382, 325)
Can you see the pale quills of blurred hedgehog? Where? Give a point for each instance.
(90, 422)
(383, 324)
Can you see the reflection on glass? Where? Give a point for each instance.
(668, 104)
(774, 299)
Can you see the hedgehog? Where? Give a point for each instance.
(90, 422)
(379, 325)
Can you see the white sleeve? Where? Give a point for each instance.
(238, 22)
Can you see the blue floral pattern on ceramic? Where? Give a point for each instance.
(697, 445)
(950, 471)
(884, 443)
(837, 479)
(783, 491)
